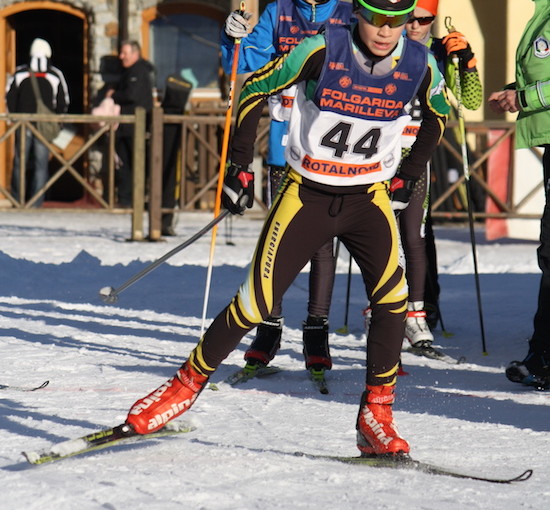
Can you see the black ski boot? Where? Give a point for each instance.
(316, 349)
(266, 344)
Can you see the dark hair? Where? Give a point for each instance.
(131, 42)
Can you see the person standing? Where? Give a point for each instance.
(415, 222)
(530, 96)
(281, 27)
(20, 98)
(343, 146)
(135, 88)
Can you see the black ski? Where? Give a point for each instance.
(102, 439)
(24, 388)
(432, 353)
(318, 379)
(406, 462)
(249, 372)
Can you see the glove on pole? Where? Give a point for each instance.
(223, 160)
(462, 128)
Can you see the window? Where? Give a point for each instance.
(187, 43)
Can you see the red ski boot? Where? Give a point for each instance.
(167, 402)
(376, 431)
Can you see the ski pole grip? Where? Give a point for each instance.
(448, 25)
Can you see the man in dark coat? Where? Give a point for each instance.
(134, 89)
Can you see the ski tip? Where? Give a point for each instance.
(524, 476)
(43, 385)
(31, 457)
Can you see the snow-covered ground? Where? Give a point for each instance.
(100, 358)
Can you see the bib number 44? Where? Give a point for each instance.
(337, 138)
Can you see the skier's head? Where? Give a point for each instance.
(381, 23)
(419, 27)
(393, 13)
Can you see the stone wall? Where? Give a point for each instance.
(102, 16)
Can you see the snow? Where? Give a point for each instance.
(100, 358)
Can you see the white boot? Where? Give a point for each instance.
(416, 328)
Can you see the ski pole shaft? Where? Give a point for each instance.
(110, 295)
(344, 329)
(348, 289)
(462, 130)
(221, 171)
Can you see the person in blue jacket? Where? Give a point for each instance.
(282, 26)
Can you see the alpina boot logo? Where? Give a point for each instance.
(152, 398)
(376, 427)
(175, 410)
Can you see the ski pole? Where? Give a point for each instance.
(462, 130)
(110, 295)
(344, 329)
(221, 172)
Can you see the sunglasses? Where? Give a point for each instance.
(424, 20)
(379, 20)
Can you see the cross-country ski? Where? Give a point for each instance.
(24, 388)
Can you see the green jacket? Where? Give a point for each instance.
(533, 79)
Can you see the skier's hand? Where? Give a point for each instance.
(456, 44)
(238, 189)
(237, 24)
(401, 188)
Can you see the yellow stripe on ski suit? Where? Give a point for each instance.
(400, 291)
(246, 301)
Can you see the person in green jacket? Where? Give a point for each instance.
(530, 96)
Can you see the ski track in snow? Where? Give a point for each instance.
(100, 358)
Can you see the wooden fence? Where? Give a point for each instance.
(198, 165)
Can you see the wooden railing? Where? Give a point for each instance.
(479, 153)
(198, 165)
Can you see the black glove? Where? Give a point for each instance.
(238, 189)
(401, 188)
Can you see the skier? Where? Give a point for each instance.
(343, 147)
(530, 96)
(282, 25)
(414, 222)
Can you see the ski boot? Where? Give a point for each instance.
(265, 345)
(167, 402)
(316, 350)
(534, 371)
(417, 331)
(315, 338)
(376, 432)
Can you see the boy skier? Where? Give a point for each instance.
(343, 147)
